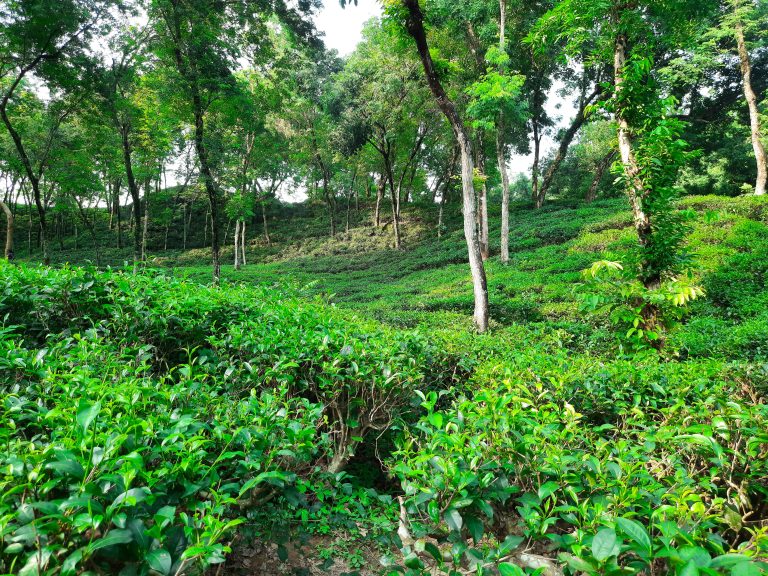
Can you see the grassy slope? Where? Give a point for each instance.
(427, 284)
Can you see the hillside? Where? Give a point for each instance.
(256, 425)
(427, 283)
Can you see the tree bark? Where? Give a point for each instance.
(502, 160)
(264, 220)
(145, 223)
(133, 189)
(328, 200)
(415, 27)
(349, 209)
(501, 156)
(482, 201)
(538, 201)
(9, 254)
(395, 198)
(634, 185)
(237, 244)
(380, 188)
(754, 113)
(34, 178)
(118, 213)
(242, 243)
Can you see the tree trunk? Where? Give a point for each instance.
(349, 209)
(29, 226)
(34, 181)
(145, 225)
(237, 244)
(537, 199)
(264, 220)
(599, 172)
(133, 190)
(502, 160)
(754, 113)
(210, 184)
(118, 214)
(482, 201)
(634, 184)
(380, 188)
(9, 254)
(111, 205)
(328, 199)
(60, 229)
(501, 156)
(242, 243)
(415, 27)
(395, 200)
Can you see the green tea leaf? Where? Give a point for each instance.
(636, 532)
(160, 561)
(605, 544)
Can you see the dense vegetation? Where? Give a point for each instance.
(423, 366)
(151, 415)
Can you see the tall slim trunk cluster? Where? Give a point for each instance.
(754, 113)
(415, 27)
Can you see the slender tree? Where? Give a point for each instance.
(414, 25)
(742, 18)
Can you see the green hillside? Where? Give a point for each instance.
(427, 283)
(297, 403)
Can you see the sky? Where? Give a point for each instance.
(343, 26)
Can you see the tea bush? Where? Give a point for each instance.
(143, 416)
(629, 468)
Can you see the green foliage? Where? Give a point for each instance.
(640, 314)
(146, 416)
(614, 493)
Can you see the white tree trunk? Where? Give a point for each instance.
(237, 244)
(754, 113)
(9, 255)
(242, 243)
(504, 194)
(415, 27)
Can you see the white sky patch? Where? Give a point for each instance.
(343, 26)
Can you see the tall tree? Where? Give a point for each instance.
(202, 40)
(633, 35)
(117, 85)
(745, 17)
(411, 13)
